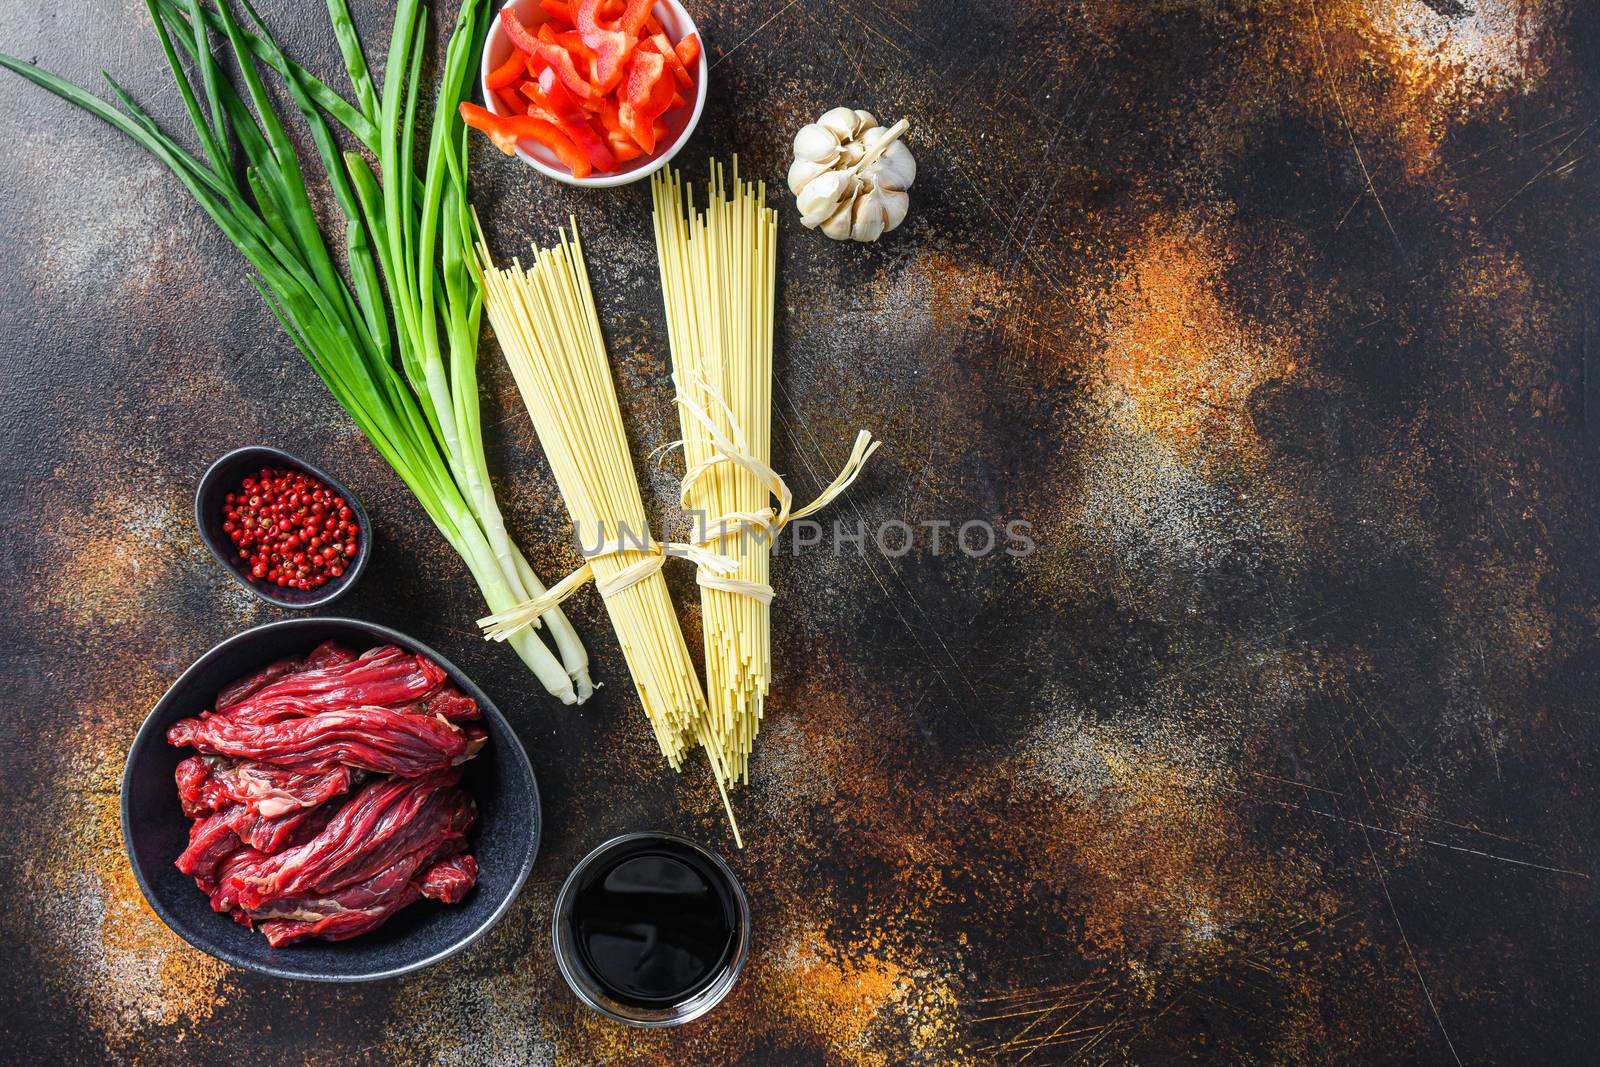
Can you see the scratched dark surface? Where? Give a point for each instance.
(1275, 320)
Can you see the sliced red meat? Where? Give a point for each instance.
(389, 820)
(386, 677)
(450, 880)
(274, 844)
(192, 776)
(358, 908)
(451, 703)
(211, 841)
(333, 921)
(225, 894)
(275, 833)
(206, 783)
(328, 654)
(252, 683)
(376, 739)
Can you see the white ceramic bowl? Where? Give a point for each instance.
(680, 121)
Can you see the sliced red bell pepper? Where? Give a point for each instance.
(516, 66)
(517, 32)
(643, 100)
(689, 51)
(663, 47)
(572, 41)
(506, 130)
(538, 105)
(611, 45)
(558, 9)
(552, 96)
(560, 60)
(508, 100)
(652, 26)
(634, 15)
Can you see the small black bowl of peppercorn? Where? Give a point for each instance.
(283, 529)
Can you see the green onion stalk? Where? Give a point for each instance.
(414, 299)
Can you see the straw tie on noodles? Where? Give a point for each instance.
(545, 319)
(718, 272)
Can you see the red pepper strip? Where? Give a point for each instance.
(611, 46)
(558, 9)
(633, 16)
(582, 54)
(663, 47)
(552, 96)
(509, 100)
(652, 26)
(622, 146)
(640, 107)
(608, 119)
(538, 104)
(506, 130)
(678, 100)
(525, 41)
(506, 73)
(689, 52)
(560, 60)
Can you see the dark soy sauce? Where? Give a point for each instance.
(653, 924)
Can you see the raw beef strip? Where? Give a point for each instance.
(450, 880)
(211, 841)
(250, 683)
(366, 905)
(387, 677)
(275, 833)
(376, 739)
(192, 775)
(206, 783)
(388, 820)
(225, 895)
(451, 703)
(328, 654)
(336, 922)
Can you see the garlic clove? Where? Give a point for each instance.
(816, 143)
(895, 203)
(823, 195)
(837, 225)
(867, 219)
(895, 169)
(864, 121)
(841, 120)
(801, 171)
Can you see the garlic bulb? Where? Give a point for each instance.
(850, 175)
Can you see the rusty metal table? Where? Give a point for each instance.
(1274, 320)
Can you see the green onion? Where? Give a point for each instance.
(398, 344)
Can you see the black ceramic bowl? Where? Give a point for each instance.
(223, 477)
(155, 831)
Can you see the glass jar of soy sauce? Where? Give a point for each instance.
(651, 929)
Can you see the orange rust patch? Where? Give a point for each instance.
(138, 972)
(1402, 74)
(1174, 349)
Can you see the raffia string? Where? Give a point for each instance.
(713, 568)
(652, 557)
(732, 448)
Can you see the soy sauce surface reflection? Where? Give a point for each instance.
(655, 925)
